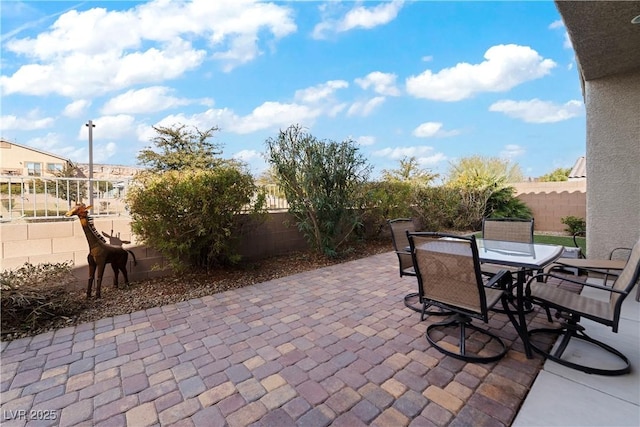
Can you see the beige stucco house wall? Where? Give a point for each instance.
(16, 159)
(613, 150)
(606, 39)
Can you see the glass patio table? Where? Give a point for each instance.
(524, 256)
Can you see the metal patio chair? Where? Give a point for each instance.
(448, 273)
(506, 230)
(399, 228)
(572, 307)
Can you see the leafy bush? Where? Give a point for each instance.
(385, 200)
(502, 204)
(193, 217)
(323, 184)
(437, 208)
(33, 294)
(574, 224)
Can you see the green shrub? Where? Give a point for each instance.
(33, 294)
(503, 204)
(192, 217)
(574, 224)
(436, 208)
(385, 200)
(323, 184)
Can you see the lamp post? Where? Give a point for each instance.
(90, 125)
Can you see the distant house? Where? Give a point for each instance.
(16, 159)
(105, 171)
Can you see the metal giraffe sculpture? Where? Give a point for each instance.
(100, 252)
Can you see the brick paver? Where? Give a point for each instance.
(335, 346)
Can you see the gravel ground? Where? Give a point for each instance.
(175, 288)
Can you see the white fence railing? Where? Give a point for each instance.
(29, 197)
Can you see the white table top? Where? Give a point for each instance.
(527, 255)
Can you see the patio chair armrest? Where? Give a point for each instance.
(575, 236)
(614, 250)
(503, 279)
(567, 279)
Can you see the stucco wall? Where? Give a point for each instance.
(613, 162)
(552, 201)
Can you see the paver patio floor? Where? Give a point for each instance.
(333, 346)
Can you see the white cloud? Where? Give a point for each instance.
(320, 92)
(30, 122)
(97, 51)
(269, 115)
(146, 100)
(272, 114)
(433, 130)
(366, 140)
(382, 83)
(109, 128)
(80, 75)
(364, 108)
(427, 58)
(358, 17)
(425, 155)
(556, 24)
(505, 67)
(537, 111)
(102, 152)
(402, 152)
(76, 108)
(559, 25)
(247, 155)
(512, 151)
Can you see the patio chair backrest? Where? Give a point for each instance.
(399, 228)
(508, 229)
(448, 270)
(626, 280)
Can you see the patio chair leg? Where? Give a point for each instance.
(578, 334)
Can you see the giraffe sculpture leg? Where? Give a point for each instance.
(92, 274)
(100, 272)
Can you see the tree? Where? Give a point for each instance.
(558, 174)
(409, 171)
(69, 190)
(478, 179)
(322, 181)
(188, 206)
(179, 148)
(483, 172)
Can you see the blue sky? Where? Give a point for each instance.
(434, 80)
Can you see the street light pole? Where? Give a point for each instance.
(90, 125)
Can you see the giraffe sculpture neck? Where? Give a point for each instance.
(94, 239)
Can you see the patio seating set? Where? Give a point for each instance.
(464, 278)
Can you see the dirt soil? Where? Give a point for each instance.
(185, 286)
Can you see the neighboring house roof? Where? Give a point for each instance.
(4, 141)
(579, 169)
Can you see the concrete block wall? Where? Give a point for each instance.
(278, 235)
(552, 201)
(59, 241)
